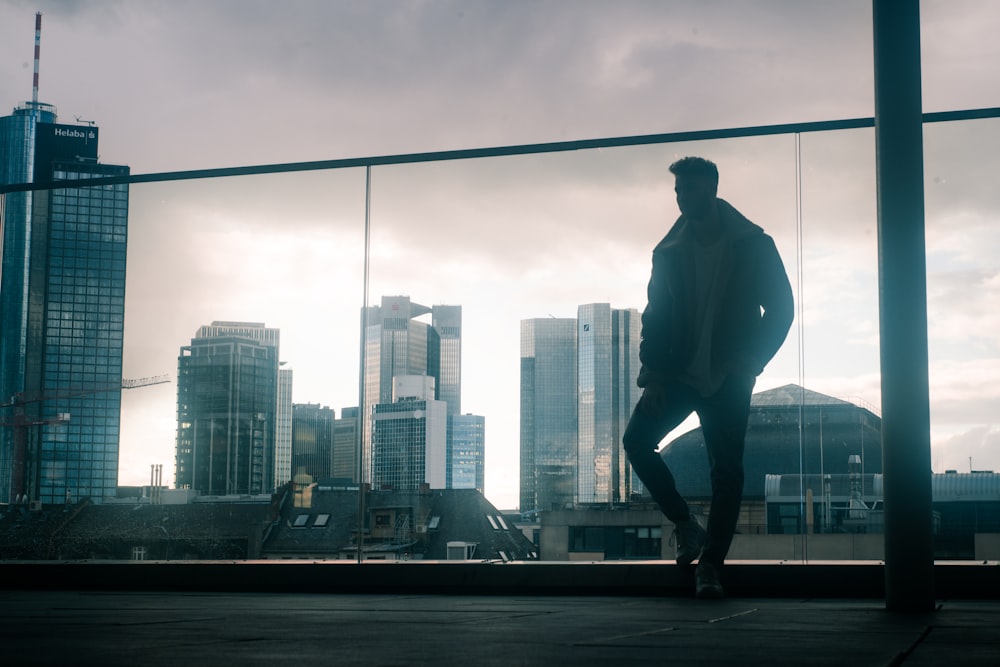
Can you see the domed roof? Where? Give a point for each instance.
(832, 430)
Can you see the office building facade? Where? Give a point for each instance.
(398, 344)
(409, 437)
(283, 427)
(467, 452)
(346, 446)
(62, 303)
(312, 440)
(608, 366)
(227, 391)
(577, 394)
(447, 322)
(548, 414)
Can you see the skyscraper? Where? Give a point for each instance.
(283, 427)
(395, 344)
(467, 452)
(312, 440)
(62, 304)
(346, 440)
(409, 437)
(227, 409)
(548, 413)
(608, 365)
(447, 321)
(577, 393)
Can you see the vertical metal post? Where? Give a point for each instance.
(362, 406)
(909, 548)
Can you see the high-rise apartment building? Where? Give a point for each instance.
(577, 393)
(548, 413)
(227, 410)
(62, 305)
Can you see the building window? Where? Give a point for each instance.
(138, 553)
(617, 542)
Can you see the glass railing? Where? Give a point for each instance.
(510, 235)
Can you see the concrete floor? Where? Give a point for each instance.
(184, 613)
(194, 628)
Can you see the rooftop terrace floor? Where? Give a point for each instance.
(628, 614)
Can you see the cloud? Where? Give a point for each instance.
(186, 84)
(222, 83)
(974, 449)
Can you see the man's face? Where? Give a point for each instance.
(695, 196)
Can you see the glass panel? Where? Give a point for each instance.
(963, 290)
(839, 424)
(205, 411)
(545, 240)
(540, 238)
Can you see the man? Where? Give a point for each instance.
(719, 307)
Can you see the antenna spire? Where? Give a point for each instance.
(38, 44)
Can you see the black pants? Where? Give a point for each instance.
(723, 423)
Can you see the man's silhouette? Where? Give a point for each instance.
(719, 307)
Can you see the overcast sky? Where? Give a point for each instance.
(193, 84)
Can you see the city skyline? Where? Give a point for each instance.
(520, 237)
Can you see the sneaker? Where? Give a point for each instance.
(690, 537)
(706, 582)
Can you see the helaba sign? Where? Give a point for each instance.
(87, 134)
(66, 142)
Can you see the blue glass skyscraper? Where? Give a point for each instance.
(467, 452)
(227, 407)
(548, 414)
(608, 365)
(62, 304)
(577, 393)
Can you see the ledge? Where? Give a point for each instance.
(829, 579)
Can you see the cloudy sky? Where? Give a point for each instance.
(191, 84)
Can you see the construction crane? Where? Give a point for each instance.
(24, 469)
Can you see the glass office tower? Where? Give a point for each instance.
(395, 344)
(577, 394)
(409, 437)
(447, 321)
(548, 414)
(467, 452)
(346, 439)
(312, 440)
(227, 388)
(608, 366)
(62, 302)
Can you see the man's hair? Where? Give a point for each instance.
(696, 167)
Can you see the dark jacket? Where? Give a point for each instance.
(744, 337)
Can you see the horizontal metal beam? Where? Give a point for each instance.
(499, 151)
